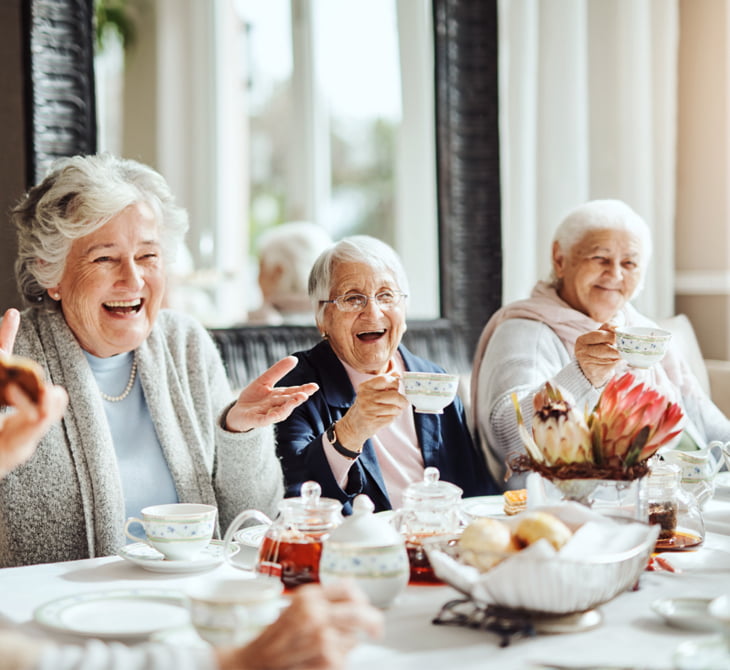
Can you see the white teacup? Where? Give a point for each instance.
(180, 531)
(230, 611)
(430, 392)
(641, 346)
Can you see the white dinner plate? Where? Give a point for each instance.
(686, 613)
(704, 654)
(252, 536)
(149, 558)
(480, 506)
(121, 614)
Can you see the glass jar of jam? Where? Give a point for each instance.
(673, 509)
(431, 515)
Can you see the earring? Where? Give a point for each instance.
(56, 295)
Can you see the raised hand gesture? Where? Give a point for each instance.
(262, 403)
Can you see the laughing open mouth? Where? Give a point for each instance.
(370, 335)
(124, 306)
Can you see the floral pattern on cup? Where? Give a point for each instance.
(382, 572)
(230, 612)
(642, 347)
(180, 531)
(430, 392)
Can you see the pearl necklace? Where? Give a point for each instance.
(130, 384)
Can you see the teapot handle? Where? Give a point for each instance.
(724, 448)
(234, 527)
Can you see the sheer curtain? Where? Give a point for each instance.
(587, 110)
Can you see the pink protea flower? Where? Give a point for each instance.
(627, 426)
(630, 422)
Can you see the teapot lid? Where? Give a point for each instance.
(310, 502)
(662, 474)
(365, 529)
(431, 488)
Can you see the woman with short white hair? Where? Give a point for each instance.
(564, 333)
(358, 434)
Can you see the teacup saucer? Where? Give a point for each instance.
(148, 558)
(686, 613)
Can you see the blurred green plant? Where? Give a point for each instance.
(113, 16)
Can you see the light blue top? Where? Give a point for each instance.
(145, 474)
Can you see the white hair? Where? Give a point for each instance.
(79, 195)
(363, 249)
(603, 215)
(293, 247)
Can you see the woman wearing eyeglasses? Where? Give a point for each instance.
(358, 434)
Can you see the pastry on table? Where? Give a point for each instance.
(24, 372)
(515, 501)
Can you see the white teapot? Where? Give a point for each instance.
(369, 550)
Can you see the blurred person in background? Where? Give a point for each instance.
(286, 255)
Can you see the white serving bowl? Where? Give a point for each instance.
(430, 392)
(559, 583)
(642, 347)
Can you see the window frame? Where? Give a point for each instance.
(60, 103)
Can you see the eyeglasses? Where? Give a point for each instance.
(357, 302)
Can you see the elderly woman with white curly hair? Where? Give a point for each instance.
(151, 417)
(564, 333)
(359, 433)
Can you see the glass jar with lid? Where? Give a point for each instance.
(673, 508)
(292, 545)
(431, 514)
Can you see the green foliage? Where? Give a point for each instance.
(113, 15)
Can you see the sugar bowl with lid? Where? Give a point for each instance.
(431, 515)
(367, 549)
(292, 545)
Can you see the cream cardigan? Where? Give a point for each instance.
(66, 503)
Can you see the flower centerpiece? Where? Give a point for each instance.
(613, 441)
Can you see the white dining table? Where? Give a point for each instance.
(629, 633)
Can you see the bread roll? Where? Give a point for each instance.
(485, 542)
(24, 372)
(534, 526)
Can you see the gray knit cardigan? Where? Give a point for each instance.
(67, 503)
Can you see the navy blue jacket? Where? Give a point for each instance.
(444, 438)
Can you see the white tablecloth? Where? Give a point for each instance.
(630, 633)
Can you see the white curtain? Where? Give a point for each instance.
(587, 110)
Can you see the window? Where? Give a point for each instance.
(264, 112)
